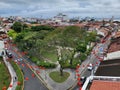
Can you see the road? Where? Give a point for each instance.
(33, 83)
(93, 59)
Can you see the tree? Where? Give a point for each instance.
(62, 63)
(19, 38)
(12, 34)
(61, 70)
(43, 27)
(81, 47)
(17, 26)
(72, 56)
(24, 26)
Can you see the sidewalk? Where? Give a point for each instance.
(12, 73)
(44, 74)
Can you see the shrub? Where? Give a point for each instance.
(43, 63)
(46, 64)
(12, 34)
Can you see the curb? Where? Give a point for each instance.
(22, 76)
(11, 82)
(39, 77)
(9, 73)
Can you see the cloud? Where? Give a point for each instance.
(46, 8)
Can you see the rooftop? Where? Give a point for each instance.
(117, 34)
(105, 85)
(104, 30)
(114, 46)
(109, 68)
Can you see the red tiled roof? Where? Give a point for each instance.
(104, 31)
(80, 25)
(117, 34)
(105, 85)
(114, 46)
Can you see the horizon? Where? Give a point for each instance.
(72, 8)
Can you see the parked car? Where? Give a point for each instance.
(19, 59)
(6, 51)
(16, 61)
(90, 67)
(83, 79)
(10, 55)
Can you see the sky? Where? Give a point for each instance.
(49, 8)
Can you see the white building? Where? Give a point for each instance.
(1, 47)
(60, 18)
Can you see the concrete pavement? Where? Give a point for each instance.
(33, 83)
(54, 85)
(12, 73)
(44, 74)
(10, 68)
(83, 70)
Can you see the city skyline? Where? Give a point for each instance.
(48, 8)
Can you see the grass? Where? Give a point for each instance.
(55, 75)
(4, 75)
(19, 75)
(50, 54)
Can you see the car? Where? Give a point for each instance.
(90, 67)
(19, 59)
(6, 48)
(10, 55)
(16, 61)
(7, 51)
(83, 79)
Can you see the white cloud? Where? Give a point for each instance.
(97, 8)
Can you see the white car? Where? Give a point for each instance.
(15, 60)
(20, 59)
(90, 67)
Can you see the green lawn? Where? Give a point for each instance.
(50, 54)
(55, 75)
(4, 75)
(19, 75)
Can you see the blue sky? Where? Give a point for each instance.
(49, 8)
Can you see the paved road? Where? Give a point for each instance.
(33, 83)
(12, 73)
(93, 59)
(10, 68)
